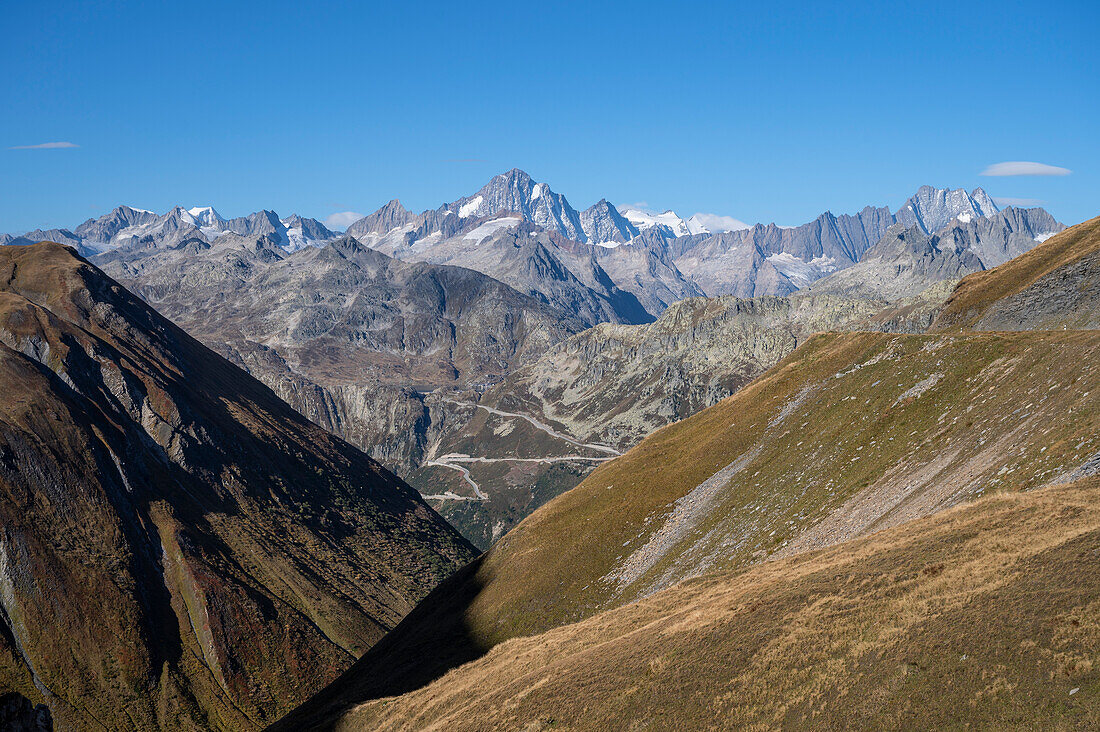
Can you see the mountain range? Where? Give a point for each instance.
(126, 226)
(597, 263)
(394, 333)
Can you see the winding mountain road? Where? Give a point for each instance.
(539, 425)
(452, 460)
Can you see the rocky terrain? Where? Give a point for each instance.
(179, 549)
(906, 261)
(851, 434)
(614, 384)
(1052, 287)
(350, 337)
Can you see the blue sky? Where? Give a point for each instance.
(769, 114)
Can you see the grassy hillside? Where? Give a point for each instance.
(1053, 286)
(851, 434)
(983, 616)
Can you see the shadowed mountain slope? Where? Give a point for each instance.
(179, 549)
(984, 616)
(850, 434)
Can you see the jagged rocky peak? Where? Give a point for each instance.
(391, 216)
(515, 191)
(604, 224)
(106, 226)
(934, 208)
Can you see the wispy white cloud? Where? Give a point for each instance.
(44, 146)
(1013, 201)
(1019, 167)
(342, 220)
(717, 223)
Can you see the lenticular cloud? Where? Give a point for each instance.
(44, 146)
(1024, 168)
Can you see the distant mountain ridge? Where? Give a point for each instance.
(908, 259)
(584, 250)
(125, 225)
(687, 257)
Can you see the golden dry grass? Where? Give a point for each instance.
(982, 616)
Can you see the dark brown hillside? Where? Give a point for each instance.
(179, 549)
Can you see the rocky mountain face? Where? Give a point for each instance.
(771, 260)
(767, 260)
(559, 272)
(179, 549)
(516, 192)
(391, 216)
(931, 209)
(603, 224)
(352, 338)
(106, 227)
(907, 260)
(1055, 286)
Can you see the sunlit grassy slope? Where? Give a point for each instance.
(985, 616)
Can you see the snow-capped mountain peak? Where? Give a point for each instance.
(932, 209)
(700, 223)
(204, 216)
(648, 219)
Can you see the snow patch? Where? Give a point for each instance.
(801, 272)
(491, 227)
(536, 191)
(470, 207)
(1044, 236)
